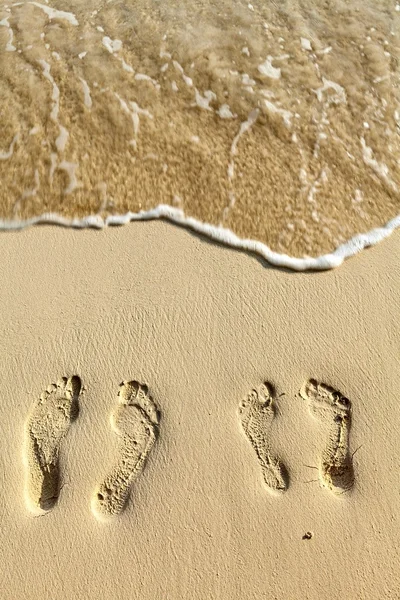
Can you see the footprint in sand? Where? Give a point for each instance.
(334, 410)
(257, 413)
(136, 421)
(47, 425)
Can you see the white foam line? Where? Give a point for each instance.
(204, 101)
(125, 66)
(9, 46)
(244, 126)
(144, 77)
(286, 114)
(380, 169)
(62, 139)
(188, 80)
(6, 155)
(53, 13)
(338, 98)
(268, 70)
(111, 45)
(87, 98)
(56, 92)
(220, 234)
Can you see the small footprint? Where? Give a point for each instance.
(257, 413)
(136, 421)
(47, 425)
(334, 410)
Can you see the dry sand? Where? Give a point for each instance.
(279, 121)
(201, 326)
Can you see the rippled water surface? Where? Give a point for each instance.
(279, 121)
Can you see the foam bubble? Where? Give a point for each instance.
(268, 70)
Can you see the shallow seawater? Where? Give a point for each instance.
(278, 121)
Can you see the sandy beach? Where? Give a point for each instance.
(212, 427)
(200, 363)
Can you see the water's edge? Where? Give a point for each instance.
(219, 234)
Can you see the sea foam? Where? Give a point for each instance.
(219, 234)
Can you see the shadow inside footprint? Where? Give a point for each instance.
(47, 425)
(332, 409)
(256, 413)
(136, 421)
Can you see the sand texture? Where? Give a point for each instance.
(278, 121)
(178, 420)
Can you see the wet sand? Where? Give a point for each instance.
(280, 123)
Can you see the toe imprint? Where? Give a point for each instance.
(256, 413)
(136, 421)
(47, 425)
(334, 411)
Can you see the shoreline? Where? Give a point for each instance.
(220, 235)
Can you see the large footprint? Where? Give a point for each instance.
(257, 413)
(47, 425)
(136, 421)
(334, 410)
